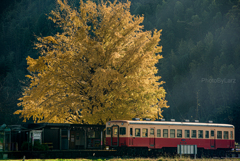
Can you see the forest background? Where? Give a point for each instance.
(201, 50)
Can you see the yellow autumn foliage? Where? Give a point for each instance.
(101, 67)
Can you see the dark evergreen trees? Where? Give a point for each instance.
(201, 53)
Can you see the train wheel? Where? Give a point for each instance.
(200, 153)
(206, 154)
(153, 153)
(138, 152)
(124, 151)
(132, 152)
(144, 152)
(129, 152)
(221, 153)
(119, 151)
(158, 154)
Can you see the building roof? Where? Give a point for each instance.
(175, 123)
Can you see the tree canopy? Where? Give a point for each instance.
(200, 42)
(100, 66)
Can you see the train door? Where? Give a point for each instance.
(131, 136)
(115, 135)
(212, 138)
(152, 137)
(72, 140)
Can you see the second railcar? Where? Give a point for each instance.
(139, 135)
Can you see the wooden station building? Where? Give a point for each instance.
(56, 136)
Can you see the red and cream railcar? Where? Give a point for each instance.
(164, 134)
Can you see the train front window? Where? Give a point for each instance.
(115, 131)
(187, 133)
(200, 134)
(165, 133)
(131, 132)
(122, 130)
(231, 135)
(158, 132)
(144, 132)
(194, 133)
(172, 133)
(179, 133)
(151, 131)
(109, 131)
(137, 132)
(206, 134)
(212, 133)
(225, 134)
(219, 134)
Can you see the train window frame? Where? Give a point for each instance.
(179, 133)
(219, 134)
(151, 131)
(144, 132)
(206, 134)
(131, 131)
(231, 134)
(187, 132)
(200, 134)
(172, 133)
(158, 133)
(138, 133)
(225, 135)
(122, 131)
(194, 134)
(108, 130)
(212, 133)
(165, 131)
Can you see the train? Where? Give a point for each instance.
(119, 137)
(144, 138)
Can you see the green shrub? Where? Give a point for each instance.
(25, 146)
(37, 146)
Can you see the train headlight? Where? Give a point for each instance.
(107, 147)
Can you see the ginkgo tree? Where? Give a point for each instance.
(100, 67)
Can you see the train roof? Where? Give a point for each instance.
(175, 123)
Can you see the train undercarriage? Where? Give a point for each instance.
(169, 152)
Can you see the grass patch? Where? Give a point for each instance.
(131, 159)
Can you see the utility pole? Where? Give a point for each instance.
(197, 107)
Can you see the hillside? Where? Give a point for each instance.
(201, 53)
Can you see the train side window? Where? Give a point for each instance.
(187, 133)
(225, 135)
(172, 133)
(144, 132)
(194, 133)
(206, 134)
(151, 131)
(158, 132)
(179, 133)
(200, 134)
(212, 133)
(122, 130)
(219, 134)
(165, 133)
(109, 131)
(137, 132)
(231, 135)
(131, 133)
